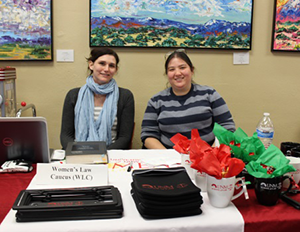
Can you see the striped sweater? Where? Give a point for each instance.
(167, 114)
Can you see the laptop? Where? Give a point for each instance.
(24, 138)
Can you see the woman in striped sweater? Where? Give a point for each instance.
(183, 107)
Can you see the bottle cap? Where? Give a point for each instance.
(266, 114)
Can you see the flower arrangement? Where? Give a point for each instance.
(243, 147)
(214, 161)
(260, 162)
(272, 163)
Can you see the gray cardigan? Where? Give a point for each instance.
(125, 116)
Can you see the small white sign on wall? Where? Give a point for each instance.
(64, 55)
(241, 58)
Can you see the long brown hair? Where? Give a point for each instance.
(97, 52)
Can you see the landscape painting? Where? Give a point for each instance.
(208, 24)
(26, 30)
(286, 28)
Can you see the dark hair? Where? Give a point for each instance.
(97, 52)
(179, 54)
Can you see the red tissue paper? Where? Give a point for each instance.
(214, 161)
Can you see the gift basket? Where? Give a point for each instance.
(269, 172)
(235, 151)
(214, 161)
(265, 168)
(272, 163)
(251, 150)
(244, 147)
(220, 168)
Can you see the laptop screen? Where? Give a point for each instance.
(24, 138)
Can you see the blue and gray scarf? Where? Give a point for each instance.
(86, 128)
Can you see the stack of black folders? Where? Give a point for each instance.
(103, 202)
(165, 193)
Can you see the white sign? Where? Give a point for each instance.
(71, 175)
(241, 58)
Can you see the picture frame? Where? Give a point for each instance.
(286, 26)
(26, 30)
(222, 24)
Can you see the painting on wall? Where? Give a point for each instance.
(207, 24)
(286, 26)
(26, 30)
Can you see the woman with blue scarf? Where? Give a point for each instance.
(99, 110)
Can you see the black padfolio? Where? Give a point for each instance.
(165, 193)
(101, 202)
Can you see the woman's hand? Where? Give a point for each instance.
(153, 143)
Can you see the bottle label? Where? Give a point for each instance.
(267, 135)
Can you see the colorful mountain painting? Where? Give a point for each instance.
(286, 36)
(25, 30)
(222, 24)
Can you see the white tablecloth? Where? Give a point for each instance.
(212, 219)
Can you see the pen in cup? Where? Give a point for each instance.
(245, 183)
(130, 166)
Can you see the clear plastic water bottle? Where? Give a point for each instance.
(265, 130)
